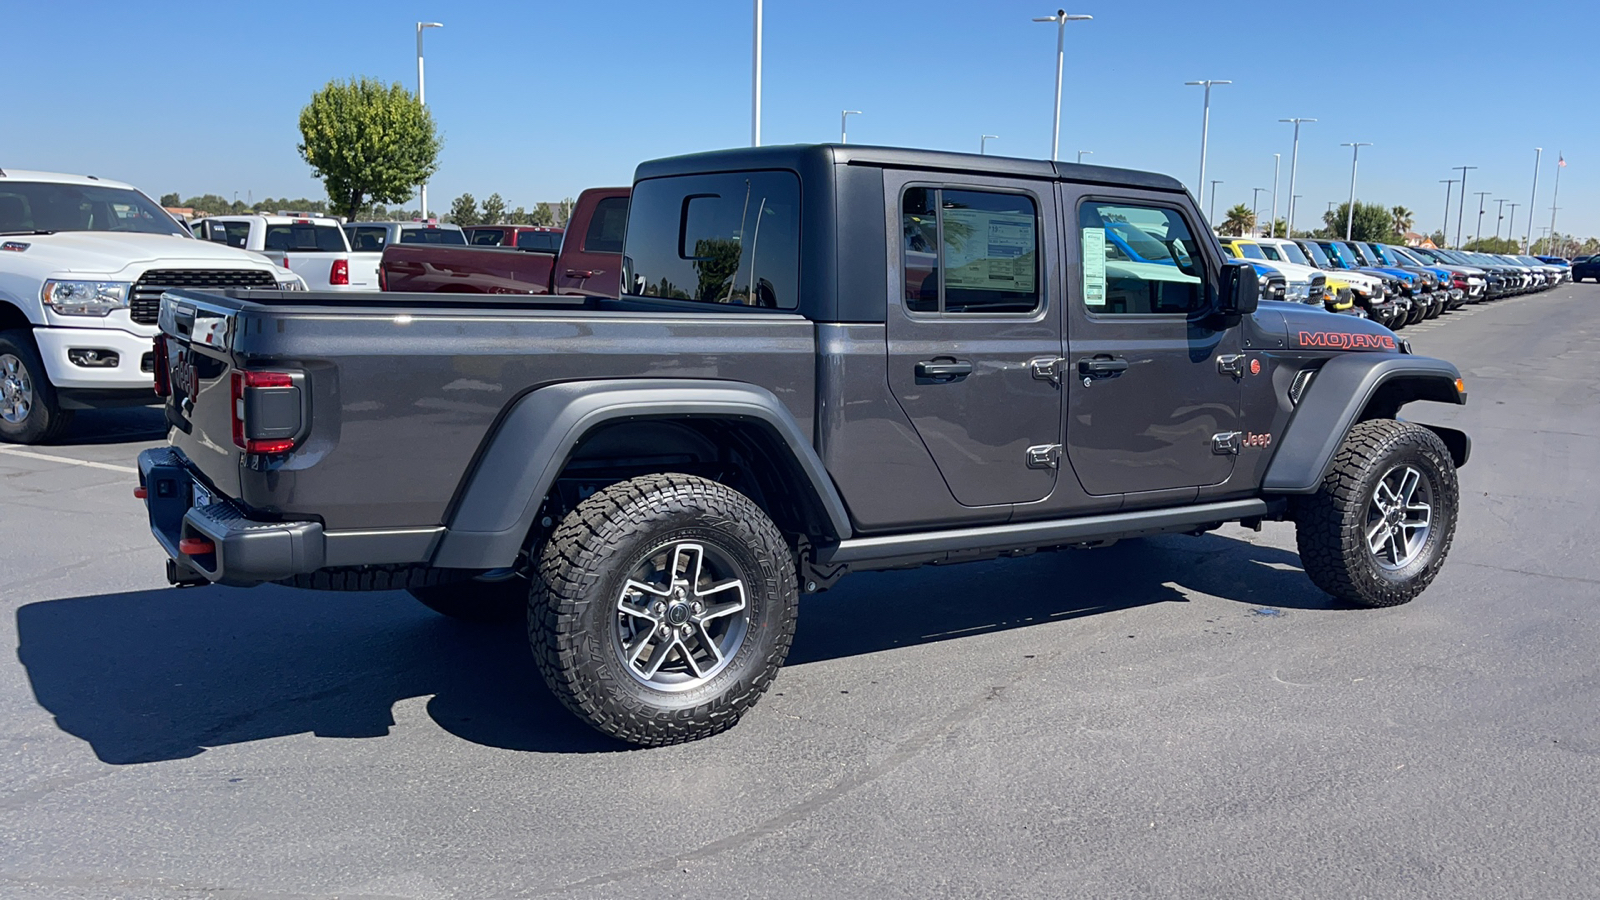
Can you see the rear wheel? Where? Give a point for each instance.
(29, 413)
(662, 608)
(1378, 529)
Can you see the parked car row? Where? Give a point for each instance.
(1395, 286)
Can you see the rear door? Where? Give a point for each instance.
(974, 331)
(1154, 384)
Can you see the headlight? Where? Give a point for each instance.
(292, 284)
(85, 298)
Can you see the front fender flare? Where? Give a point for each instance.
(534, 440)
(1335, 400)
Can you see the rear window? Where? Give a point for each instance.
(367, 239)
(304, 237)
(486, 237)
(607, 228)
(234, 234)
(730, 238)
(432, 236)
(540, 240)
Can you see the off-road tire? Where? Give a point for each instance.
(1330, 524)
(482, 602)
(582, 569)
(46, 420)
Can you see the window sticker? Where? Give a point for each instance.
(989, 250)
(1094, 267)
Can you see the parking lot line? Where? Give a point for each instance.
(15, 451)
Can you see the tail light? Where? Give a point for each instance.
(266, 411)
(340, 273)
(383, 278)
(163, 368)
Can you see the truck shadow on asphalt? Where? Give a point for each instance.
(114, 426)
(160, 675)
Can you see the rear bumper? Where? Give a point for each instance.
(242, 551)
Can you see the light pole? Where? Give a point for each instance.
(1444, 232)
(1462, 206)
(1560, 164)
(1511, 226)
(422, 100)
(1538, 156)
(1294, 166)
(1255, 219)
(1479, 228)
(1277, 160)
(1499, 216)
(1081, 153)
(1350, 211)
(843, 114)
(1205, 127)
(755, 81)
(1061, 19)
(983, 142)
(1211, 214)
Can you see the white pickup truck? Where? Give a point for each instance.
(83, 264)
(313, 247)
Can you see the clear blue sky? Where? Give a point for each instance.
(538, 100)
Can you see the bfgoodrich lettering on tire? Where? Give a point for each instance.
(1378, 529)
(662, 608)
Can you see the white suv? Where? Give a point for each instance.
(83, 263)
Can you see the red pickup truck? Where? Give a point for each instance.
(522, 237)
(588, 262)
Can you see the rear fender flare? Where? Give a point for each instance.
(1348, 388)
(535, 439)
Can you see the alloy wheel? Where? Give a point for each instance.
(1399, 517)
(16, 390)
(681, 616)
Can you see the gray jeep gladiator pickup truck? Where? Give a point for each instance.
(825, 359)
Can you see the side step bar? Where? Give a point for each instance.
(869, 552)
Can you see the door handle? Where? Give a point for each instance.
(1102, 365)
(941, 372)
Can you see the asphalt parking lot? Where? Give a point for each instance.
(1175, 717)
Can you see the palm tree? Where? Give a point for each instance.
(1239, 221)
(1403, 220)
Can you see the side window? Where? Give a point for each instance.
(973, 252)
(1138, 260)
(367, 240)
(606, 226)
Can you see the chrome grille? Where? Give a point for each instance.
(145, 304)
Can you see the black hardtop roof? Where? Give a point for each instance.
(807, 157)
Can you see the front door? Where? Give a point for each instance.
(974, 331)
(1154, 383)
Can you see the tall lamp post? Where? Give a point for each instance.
(1061, 19)
(983, 142)
(1205, 127)
(1478, 235)
(843, 115)
(1444, 231)
(1538, 157)
(755, 81)
(1499, 215)
(1511, 226)
(1272, 227)
(1560, 164)
(1081, 154)
(1255, 218)
(1350, 211)
(1294, 166)
(1462, 206)
(422, 100)
(1211, 214)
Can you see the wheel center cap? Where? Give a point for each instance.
(677, 614)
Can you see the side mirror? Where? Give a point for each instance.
(1240, 291)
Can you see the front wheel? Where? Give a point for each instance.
(1378, 529)
(662, 608)
(29, 413)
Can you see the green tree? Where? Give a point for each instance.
(1403, 219)
(494, 210)
(1437, 237)
(1372, 222)
(1492, 245)
(542, 215)
(564, 213)
(368, 142)
(464, 210)
(518, 216)
(1280, 228)
(171, 200)
(1240, 221)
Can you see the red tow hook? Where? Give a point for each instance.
(196, 547)
(141, 492)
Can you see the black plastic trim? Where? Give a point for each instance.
(1335, 400)
(531, 447)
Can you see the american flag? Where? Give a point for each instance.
(1561, 161)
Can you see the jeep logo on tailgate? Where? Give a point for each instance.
(184, 377)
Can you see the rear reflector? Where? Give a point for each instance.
(268, 446)
(163, 369)
(141, 492)
(340, 273)
(196, 547)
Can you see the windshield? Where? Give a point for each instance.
(1409, 257)
(1338, 254)
(1291, 253)
(1249, 251)
(1318, 257)
(1367, 253)
(30, 207)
